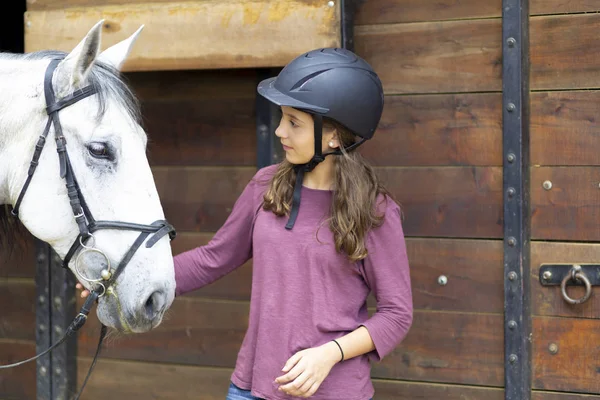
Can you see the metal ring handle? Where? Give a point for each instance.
(576, 274)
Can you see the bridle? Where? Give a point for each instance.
(83, 216)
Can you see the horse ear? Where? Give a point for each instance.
(117, 54)
(73, 70)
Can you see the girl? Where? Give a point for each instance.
(323, 233)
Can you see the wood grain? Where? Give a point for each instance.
(18, 309)
(571, 209)
(576, 366)
(564, 128)
(435, 130)
(18, 260)
(434, 57)
(205, 34)
(17, 383)
(556, 42)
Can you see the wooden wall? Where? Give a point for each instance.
(439, 149)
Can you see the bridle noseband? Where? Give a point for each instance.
(83, 216)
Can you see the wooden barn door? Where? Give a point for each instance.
(565, 195)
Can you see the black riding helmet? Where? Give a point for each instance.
(333, 83)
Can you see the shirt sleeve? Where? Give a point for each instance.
(230, 247)
(387, 273)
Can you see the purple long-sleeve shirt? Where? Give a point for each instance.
(304, 293)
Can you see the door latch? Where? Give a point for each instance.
(587, 275)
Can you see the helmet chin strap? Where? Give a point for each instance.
(309, 166)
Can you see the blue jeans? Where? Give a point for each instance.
(235, 393)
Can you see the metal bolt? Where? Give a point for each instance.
(547, 185)
(512, 324)
(57, 371)
(58, 330)
(512, 276)
(331, 4)
(513, 358)
(511, 192)
(512, 241)
(511, 42)
(442, 280)
(547, 275)
(41, 299)
(57, 302)
(510, 107)
(41, 257)
(43, 371)
(42, 328)
(510, 157)
(553, 348)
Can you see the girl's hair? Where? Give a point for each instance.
(355, 192)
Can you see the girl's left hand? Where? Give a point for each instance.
(307, 369)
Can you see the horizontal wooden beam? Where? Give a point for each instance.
(206, 34)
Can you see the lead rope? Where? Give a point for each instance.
(102, 336)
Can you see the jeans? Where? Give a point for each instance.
(235, 393)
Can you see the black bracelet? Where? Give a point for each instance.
(341, 351)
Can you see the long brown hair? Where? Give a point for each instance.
(355, 193)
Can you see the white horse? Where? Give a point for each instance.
(107, 150)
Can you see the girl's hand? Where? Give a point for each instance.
(307, 369)
(84, 292)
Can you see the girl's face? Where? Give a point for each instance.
(296, 131)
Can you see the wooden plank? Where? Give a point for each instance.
(210, 132)
(400, 390)
(473, 268)
(196, 34)
(18, 260)
(547, 300)
(564, 128)
(440, 202)
(448, 201)
(449, 347)
(555, 43)
(434, 57)
(441, 347)
(394, 11)
(209, 194)
(19, 382)
(461, 129)
(575, 367)
(18, 309)
(571, 209)
(143, 381)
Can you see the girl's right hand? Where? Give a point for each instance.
(84, 292)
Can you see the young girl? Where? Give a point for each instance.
(323, 233)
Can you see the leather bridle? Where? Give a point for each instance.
(82, 214)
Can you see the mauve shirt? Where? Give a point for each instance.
(304, 293)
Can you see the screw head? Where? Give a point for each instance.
(512, 275)
(511, 192)
(553, 348)
(512, 241)
(512, 324)
(547, 185)
(511, 42)
(513, 358)
(43, 371)
(510, 157)
(442, 280)
(510, 107)
(547, 275)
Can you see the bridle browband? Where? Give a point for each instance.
(83, 216)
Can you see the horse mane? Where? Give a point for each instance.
(13, 234)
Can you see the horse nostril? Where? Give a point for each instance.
(154, 304)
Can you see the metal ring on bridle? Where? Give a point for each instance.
(576, 274)
(106, 273)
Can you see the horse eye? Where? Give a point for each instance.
(98, 150)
